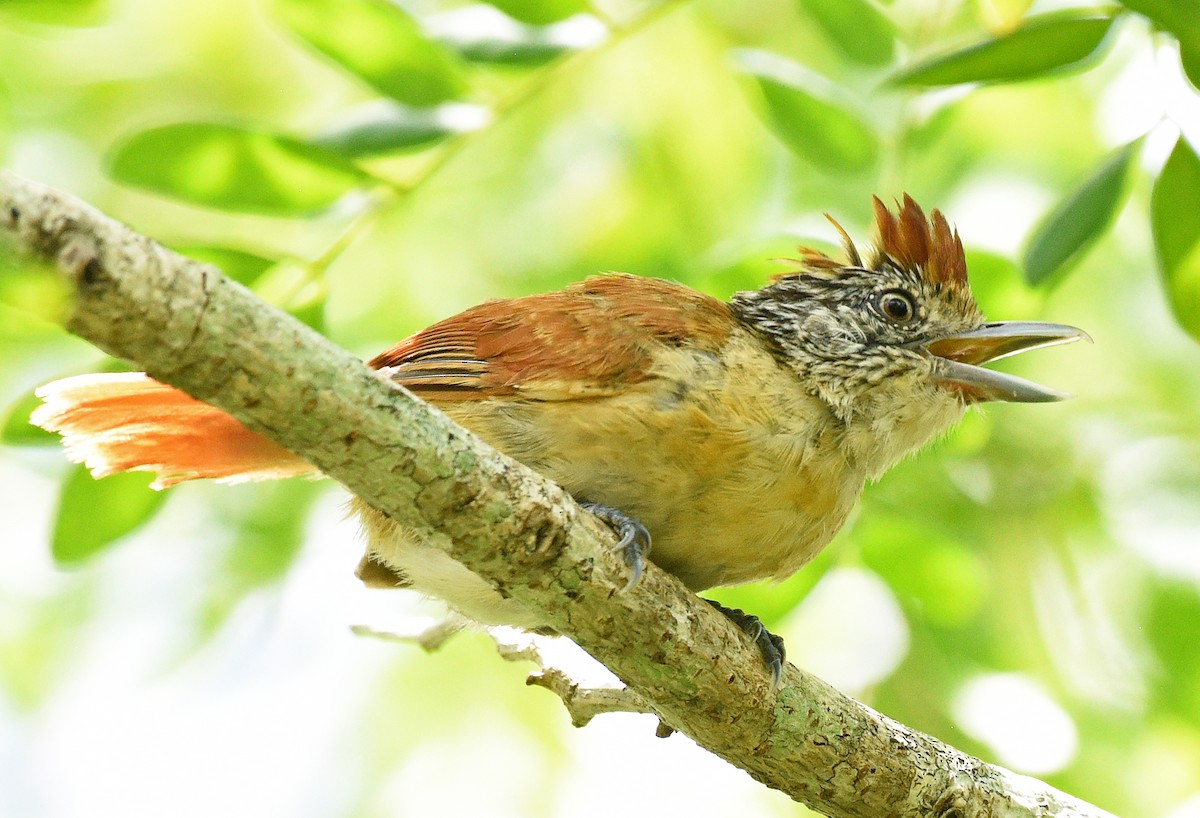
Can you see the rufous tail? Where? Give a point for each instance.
(130, 422)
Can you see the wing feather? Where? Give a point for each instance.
(589, 339)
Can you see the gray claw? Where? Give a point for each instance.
(769, 645)
(635, 539)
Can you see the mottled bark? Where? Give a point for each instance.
(189, 326)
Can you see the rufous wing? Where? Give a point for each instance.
(590, 339)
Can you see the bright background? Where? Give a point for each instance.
(1027, 589)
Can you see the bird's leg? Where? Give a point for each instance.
(770, 645)
(635, 538)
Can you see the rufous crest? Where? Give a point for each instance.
(908, 240)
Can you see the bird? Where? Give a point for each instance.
(725, 441)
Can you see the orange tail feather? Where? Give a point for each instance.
(131, 422)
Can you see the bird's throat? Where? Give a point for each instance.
(895, 420)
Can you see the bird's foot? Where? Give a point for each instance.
(635, 538)
(770, 645)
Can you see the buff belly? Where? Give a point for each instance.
(735, 482)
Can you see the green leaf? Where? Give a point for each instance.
(233, 168)
(1041, 46)
(93, 514)
(483, 34)
(511, 50)
(380, 44)
(539, 12)
(57, 12)
(390, 128)
(1074, 225)
(1189, 54)
(1177, 16)
(242, 267)
(18, 431)
(1182, 19)
(804, 111)
(525, 47)
(858, 29)
(1175, 222)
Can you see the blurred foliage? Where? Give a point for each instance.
(92, 514)
(373, 166)
(1177, 232)
(856, 27)
(238, 169)
(1040, 46)
(1179, 19)
(809, 116)
(380, 44)
(1079, 220)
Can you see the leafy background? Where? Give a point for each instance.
(1027, 589)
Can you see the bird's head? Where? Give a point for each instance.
(895, 343)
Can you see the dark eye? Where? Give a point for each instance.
(897, 306)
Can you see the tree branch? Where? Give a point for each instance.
(189, 326)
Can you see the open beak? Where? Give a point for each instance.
(963, 354)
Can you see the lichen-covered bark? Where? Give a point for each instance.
(189, 326)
